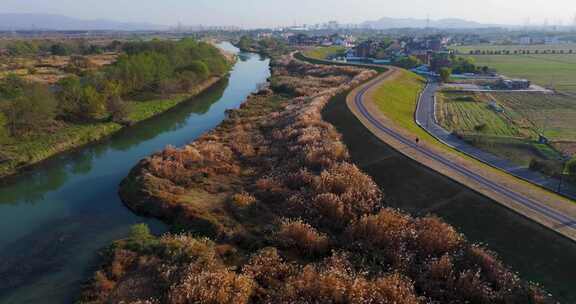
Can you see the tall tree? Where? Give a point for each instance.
(30, 111)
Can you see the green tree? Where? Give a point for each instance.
(30, 111)
(59, 49)
(246, 43)
(93, 104)
(445, 74)
(70, 97)
(571, 167)
(408, 62)
(199, 68)
(11, 87)
(116, 107)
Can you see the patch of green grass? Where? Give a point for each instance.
(517, 150)
(142, 110)
(3, 130)
(35, 148)
(398, 98)
(325, 52)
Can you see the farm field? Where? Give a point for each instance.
(557, 71)
(552, 115)
(532, 47)
(324, 52)
(513, 133)
(470, 113)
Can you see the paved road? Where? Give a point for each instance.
(555, 216)
(425, 117)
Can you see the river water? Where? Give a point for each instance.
(55, 218)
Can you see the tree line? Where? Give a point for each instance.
(519, 52)
(145, 70)
(57, 48)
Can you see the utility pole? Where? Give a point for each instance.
(561, 182)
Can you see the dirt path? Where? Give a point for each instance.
(550, 210)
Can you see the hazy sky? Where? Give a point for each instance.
(253, 13)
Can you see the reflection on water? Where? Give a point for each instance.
(55, 218)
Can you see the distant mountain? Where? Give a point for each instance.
(10, 22)
(452, 23)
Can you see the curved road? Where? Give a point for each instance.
(560, 219)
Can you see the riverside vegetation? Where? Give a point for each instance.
(38, 120)
(268, 208)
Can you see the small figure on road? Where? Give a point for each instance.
(417, 140)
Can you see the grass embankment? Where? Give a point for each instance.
(397, 98)
(323, 53)
(16, 153)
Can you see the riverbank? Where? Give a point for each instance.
(288, 216)
(26, 153)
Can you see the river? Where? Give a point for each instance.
(55, 218)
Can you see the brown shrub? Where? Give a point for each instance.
(330, 206)
(217, 287)
(326, 155)
(336, 282)
(299, 179)
(268, 269)
(441, 269)
(393, 288)
(102, 285)
(296, 233)
(470, 287)
(243, 200)
(356, 191)
(491, 268)
(326, 283)
(434, 237)
(343, 178)
(121, 260)
(388, 228)
(185, 248)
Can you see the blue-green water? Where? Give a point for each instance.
(55, 218)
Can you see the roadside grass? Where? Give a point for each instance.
(325, 52)
(517, 150)
(557, 71)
